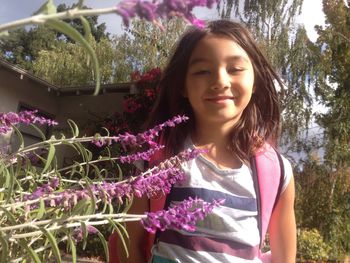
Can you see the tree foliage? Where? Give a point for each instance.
(334, 82)
(68, 64)
(145, 46)
(59, 60)
(22, 46)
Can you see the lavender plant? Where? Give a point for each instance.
(43, 206)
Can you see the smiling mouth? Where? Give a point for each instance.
(221, 99)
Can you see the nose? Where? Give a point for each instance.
(221, 80)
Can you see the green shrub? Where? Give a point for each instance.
(311, 245)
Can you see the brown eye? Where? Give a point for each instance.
(234, 70)
(201, 72)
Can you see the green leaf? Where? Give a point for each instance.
(73, 249)
(128, 203)
(47, 8)
(96, 170)
(74, 127)
(18, 166)
(104, 244)
(120, 173)
(77, 37)
(20, 137)
(42, 135)
(85, 234)
(9, 184)
(30, 251)
(91, 209)
(86, 26)
(80, 207)
(53, 244)
(50, 157)
(4, 249)
(120, 234)
(9, 215)
(41, 210)
(111, 209)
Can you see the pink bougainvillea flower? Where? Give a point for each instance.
(130, 105)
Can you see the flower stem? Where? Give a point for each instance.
(36, 224)
(70, 14)
(77, 224)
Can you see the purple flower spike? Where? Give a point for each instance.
(141, 155)
(183, 215)
(146, 10)
(141, 138)
(154, 10)
(157, 183)
(26, 117)
(44, 189)
(156, 180)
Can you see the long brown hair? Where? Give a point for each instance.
(260, 119)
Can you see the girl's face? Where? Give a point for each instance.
(219, 81)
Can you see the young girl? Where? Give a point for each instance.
(219, 78)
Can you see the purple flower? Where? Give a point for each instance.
(158, 179)
(158, 182)
(141, 155)
(183, 215)
(45, 189)
(7, 120)
(146, 10)
(154, 10)
(141, 138)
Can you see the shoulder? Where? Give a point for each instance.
(288, 172)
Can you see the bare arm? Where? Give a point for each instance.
(282, 228)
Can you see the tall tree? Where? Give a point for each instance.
(334, 90)
(21, 47)
(325, 195)
(334, 81)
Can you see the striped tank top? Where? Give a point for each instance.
(230, 233)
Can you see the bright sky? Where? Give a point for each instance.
(10, 10)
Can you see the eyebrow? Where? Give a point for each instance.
(230, 58)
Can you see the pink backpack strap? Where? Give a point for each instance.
(268, 174)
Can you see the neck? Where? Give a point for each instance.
(216, 139)
(212, 134)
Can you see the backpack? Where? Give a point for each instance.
(268, 176)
